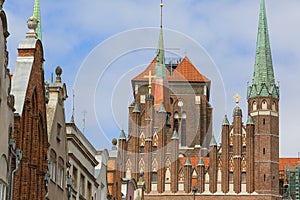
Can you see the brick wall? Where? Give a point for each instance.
(31, 133)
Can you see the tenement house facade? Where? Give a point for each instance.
(6, 108)
(82, 164)
(57, 153)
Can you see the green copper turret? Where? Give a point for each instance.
(263, 84)
(37, 15)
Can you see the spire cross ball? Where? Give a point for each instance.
(237, 98)
(161, 12)
(150, 80)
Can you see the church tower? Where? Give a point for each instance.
(263, 107)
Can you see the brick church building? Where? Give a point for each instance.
(170, 138)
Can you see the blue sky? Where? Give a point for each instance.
(101, 45)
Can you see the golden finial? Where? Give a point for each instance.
(237, 98)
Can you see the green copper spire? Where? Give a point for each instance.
(175, 135)
(201, 162)
(250, 120)
(122, 135)
(213, 141)
(225, 121)
(136, 109)
(160, 68)
(263, 84)
(162, 108)
(187, 161)
(37, 15)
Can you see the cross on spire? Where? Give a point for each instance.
(150, 81)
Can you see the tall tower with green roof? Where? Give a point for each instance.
(37, 15)
(159, 81)
(263, 107)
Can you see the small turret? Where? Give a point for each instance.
(136, 109)
(225, 121)
(213, 141)
(122, 135)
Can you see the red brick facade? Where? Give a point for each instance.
(155, 145)
(172, 142)
(30, 131)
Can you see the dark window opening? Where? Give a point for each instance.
(243, 177)
(230, 149)
(154, 177)
(264, 151)
(168, 130)
(264, 121)
(142, 149)
(176, 124)
(168, 122)
(264, 177)
(183, 132)
(154, 148)
(244, 149)
(230, 177)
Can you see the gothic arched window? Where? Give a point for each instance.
(176, 124)
(254, 106)
(264, 105)
(142, 165)
(183, 132)
(274, 106)
(128, 169)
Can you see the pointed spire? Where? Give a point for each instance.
(213, 141)
(136, 109)
(187, 161)
(122, 135)
(250, 120)
(37, 15)
(225, 121)
(73, 108)
(263, 79)
(162, 108)
(175, 135)
(201, 162)
(160, 68)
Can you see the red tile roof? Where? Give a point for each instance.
(185, 72)
(288, 163)
(141, 76)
